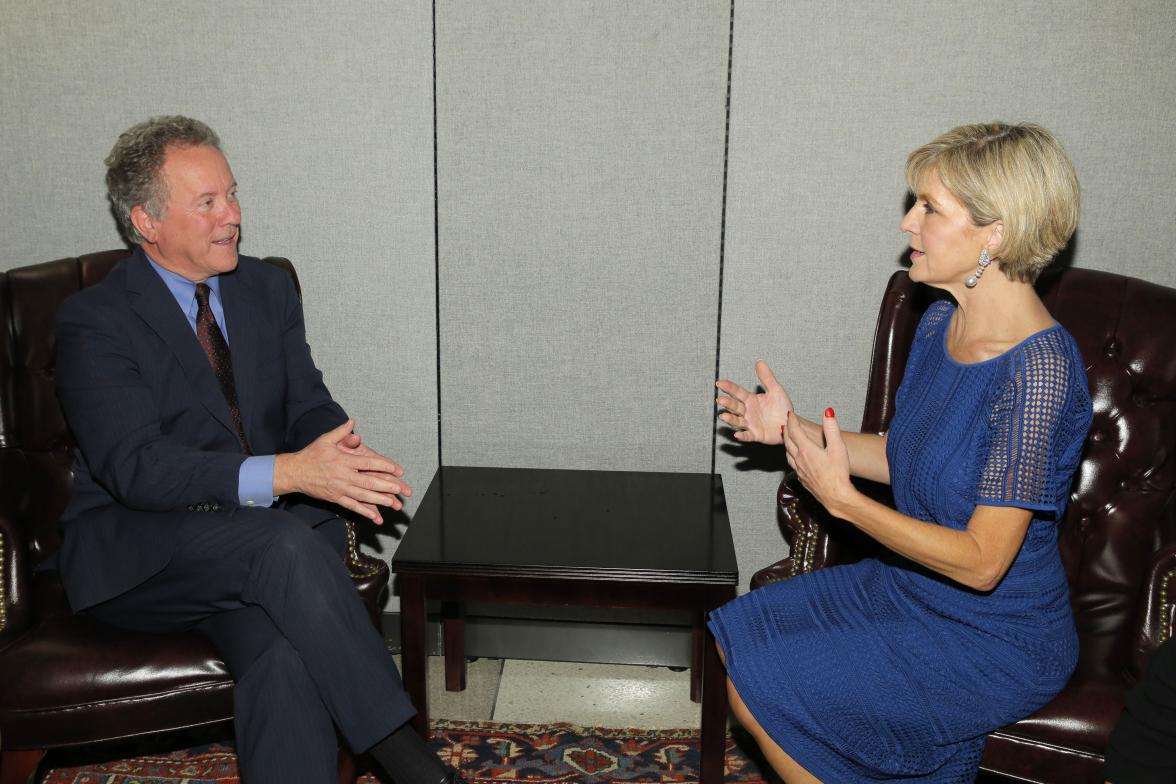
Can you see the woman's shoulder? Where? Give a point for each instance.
(1049, 365)
(1047, 351)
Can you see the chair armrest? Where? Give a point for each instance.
(15, 568)
(15, 604)
(801, 521)
(1156, 618)
(370, 575)
(816, 539)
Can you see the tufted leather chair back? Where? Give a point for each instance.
(34, 438)
(1123, 504)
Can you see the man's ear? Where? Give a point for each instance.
(144, 223)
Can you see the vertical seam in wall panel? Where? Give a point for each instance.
(722, 240)
(436, 243)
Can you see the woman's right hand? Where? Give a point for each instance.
(756, 416)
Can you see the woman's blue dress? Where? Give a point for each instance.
(883, 670)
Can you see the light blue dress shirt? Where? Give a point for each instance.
(255, 481)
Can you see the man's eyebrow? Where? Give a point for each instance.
(206, 194)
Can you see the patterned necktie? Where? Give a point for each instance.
(212, 340)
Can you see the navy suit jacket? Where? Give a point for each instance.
(155, 440)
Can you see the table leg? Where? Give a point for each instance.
(17, 766)
(412, 649)
(346, 766)
(453, 635)
(697, 640)
(712, 740)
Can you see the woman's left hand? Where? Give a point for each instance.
(823, 470)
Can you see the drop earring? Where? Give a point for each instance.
(974, 278)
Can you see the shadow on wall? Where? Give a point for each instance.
(1065, 257)
(753, 457)
(394, 525)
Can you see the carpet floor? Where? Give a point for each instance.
(484, 752)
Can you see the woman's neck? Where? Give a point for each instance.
(993, 317)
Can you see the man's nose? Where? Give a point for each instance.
(231, 213)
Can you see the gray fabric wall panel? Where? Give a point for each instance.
(828, 99)
(60, 114)
(580, 154)
(326, 118)
(580, 162)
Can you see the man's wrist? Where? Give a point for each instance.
(282, 477)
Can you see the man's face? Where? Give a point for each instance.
(197, 235)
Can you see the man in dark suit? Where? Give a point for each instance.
(206, 479)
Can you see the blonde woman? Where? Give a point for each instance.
(896, 668)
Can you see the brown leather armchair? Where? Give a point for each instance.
(65, 679)
(1118, 538)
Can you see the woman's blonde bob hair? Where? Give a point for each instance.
(1016, 174)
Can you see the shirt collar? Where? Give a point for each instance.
(180, 287)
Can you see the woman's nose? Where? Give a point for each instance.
(909, 222)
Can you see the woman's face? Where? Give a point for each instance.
(946, 244)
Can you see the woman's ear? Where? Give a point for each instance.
(995, 237)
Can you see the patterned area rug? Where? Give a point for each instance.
(484, 751)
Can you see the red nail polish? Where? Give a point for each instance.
(829, 413)
(782, 430)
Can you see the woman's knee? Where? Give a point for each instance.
(788, 769)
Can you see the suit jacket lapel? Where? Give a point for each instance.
(153, 303)
(240, 322)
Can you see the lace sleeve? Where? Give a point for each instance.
(1021, 464)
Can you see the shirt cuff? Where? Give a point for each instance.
(255, 482)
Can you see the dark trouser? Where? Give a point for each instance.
(1142, 748)
(274, 597)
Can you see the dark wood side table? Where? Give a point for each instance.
(557, 537)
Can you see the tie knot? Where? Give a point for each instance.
(202, 291)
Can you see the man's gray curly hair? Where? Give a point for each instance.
(134, 163)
